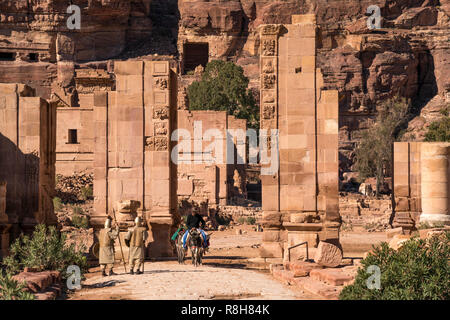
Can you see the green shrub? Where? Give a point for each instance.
(77, 211)
(439, 131)
(57, 203)
(241, 220)
(251, 220)
(80, 222)
(11, 289)
(87, 193)
(419, 270)
(45, 250)
(223, 220)
(346, 226)
(426, 225)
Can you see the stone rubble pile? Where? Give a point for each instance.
(235, 212)
(365, 213)
(69, 188)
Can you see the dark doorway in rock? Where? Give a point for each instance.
(33, 57)
(195, 54)
(7, 56)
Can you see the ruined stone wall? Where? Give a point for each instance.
(75, 112)
(209, 182)
(75, 156)
(236, 173)
(300, 200)
(361, 213)
(27, 162)
(421, 183)
(132, 148)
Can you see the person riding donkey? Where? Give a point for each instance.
(195, 221)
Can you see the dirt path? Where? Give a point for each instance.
(226, 274)
(169, 280)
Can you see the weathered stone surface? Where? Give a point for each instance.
(409, 58)
(27, 164)
(333, 277)
(301, 268)
(393, 232)
(39, 281)
(398, 240)
(328, 254)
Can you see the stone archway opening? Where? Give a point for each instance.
(195, 54)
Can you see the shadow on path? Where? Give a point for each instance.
(105, 284)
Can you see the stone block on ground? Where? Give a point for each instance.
(328, 254)
(319, 288)
(398, 240)
(285, 276)
(392, 232)
(271, 250)
(334, 277)
(301, 268)
(39, 281)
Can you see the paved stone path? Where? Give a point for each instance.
(169, 280)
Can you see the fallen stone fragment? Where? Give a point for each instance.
(328, 255)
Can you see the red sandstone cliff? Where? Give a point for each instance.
(408, 57)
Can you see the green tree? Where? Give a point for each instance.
(439, 131)
(224, 87)
(374, 151)
(418, 270)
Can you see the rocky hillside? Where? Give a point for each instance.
(409, 56)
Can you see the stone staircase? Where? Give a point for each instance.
(325, 283)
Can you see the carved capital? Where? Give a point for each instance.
(271, 29)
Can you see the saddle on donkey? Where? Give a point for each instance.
(195, 221)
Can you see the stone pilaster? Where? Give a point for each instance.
(271, 218)
(132, 149)
(435, 172)
(160, 172)
(300, 200)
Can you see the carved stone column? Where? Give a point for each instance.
(271, 218)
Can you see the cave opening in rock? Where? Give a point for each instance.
(7, 56)
(195, 54)
(33, 57)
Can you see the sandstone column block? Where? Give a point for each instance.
(435, 182)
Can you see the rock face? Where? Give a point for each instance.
(37, 35)
(409, 56)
